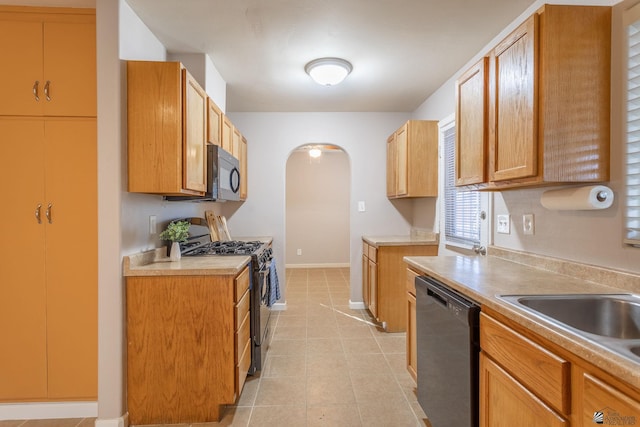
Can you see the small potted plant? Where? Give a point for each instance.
(176, 232)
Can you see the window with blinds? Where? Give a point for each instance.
(632, 161)
(462, 208)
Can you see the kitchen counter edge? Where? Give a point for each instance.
(156, 263)
(483, 278)
(401, 240)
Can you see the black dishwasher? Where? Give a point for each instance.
(448, 345)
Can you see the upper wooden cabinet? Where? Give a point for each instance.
(214, 123)
(227, 134)
(412, 160)
(52, 57)
(471, 122)
(548, 90)
(167, 129)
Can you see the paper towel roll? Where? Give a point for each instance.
(578, 198)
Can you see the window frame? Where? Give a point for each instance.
(445, 126)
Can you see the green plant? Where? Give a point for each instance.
(177, 231)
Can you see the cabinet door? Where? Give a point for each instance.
(504, 402)
(214, 123)
(373, 289)
(365, 282)
(514, 143)
(71, 258)
(21, 47)
(391, 166)
(604, 403)
(412, 348)
(237, 139)
(402, 151)
(23, 363)
(194, 120)
(227, 134)
(70, 68)
(471, 125)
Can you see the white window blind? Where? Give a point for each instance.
(632, 163)
(462, 208)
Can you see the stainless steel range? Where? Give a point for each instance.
(200, 244)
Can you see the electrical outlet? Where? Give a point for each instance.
(299, 252)
(504, 224)
(153, 225)
(528, 224)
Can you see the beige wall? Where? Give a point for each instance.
(317, 209)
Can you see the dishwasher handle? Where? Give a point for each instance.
(464, 309)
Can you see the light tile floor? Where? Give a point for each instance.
(327, 365)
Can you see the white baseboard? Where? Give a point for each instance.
(279, 306)
(122, 421)
(48, 410)
(356, 305)
(329, 265)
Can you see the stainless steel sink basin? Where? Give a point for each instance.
(614, 316)
(610, 320)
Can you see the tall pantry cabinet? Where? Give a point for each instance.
(48, 279)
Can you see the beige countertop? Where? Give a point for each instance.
(156, 263)
(403, 240)
(482, 278)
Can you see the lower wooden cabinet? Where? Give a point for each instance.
(412, 348)
(384, 281)
(49, 288)
(526, 380)
(188, 346)
(504, 401)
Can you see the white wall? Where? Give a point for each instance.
(317, 209)
(273, 136)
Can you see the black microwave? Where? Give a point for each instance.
(223, 178)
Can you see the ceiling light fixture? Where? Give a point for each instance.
(315, 152)
(328, 71)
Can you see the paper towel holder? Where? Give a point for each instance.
(578, 198)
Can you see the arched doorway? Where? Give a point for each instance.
(317, 207)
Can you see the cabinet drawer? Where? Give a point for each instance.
(242, 368)
(541, 371)
(242, 284)
(242, 309)
(373, 254)
(365, 249)
(242, 335)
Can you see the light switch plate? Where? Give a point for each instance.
(503, 225)
(528, 224)
(361, 206)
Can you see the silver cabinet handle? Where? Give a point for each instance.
(37, 213)
(46, 90)
(48, 212)
(35, 90)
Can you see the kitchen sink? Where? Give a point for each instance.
(611, 320)
(614, 316)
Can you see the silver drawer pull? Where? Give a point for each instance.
(46, 90)
(35, 90)
(48, 213)
(37, 213)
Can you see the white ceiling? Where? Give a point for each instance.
(401, 50)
